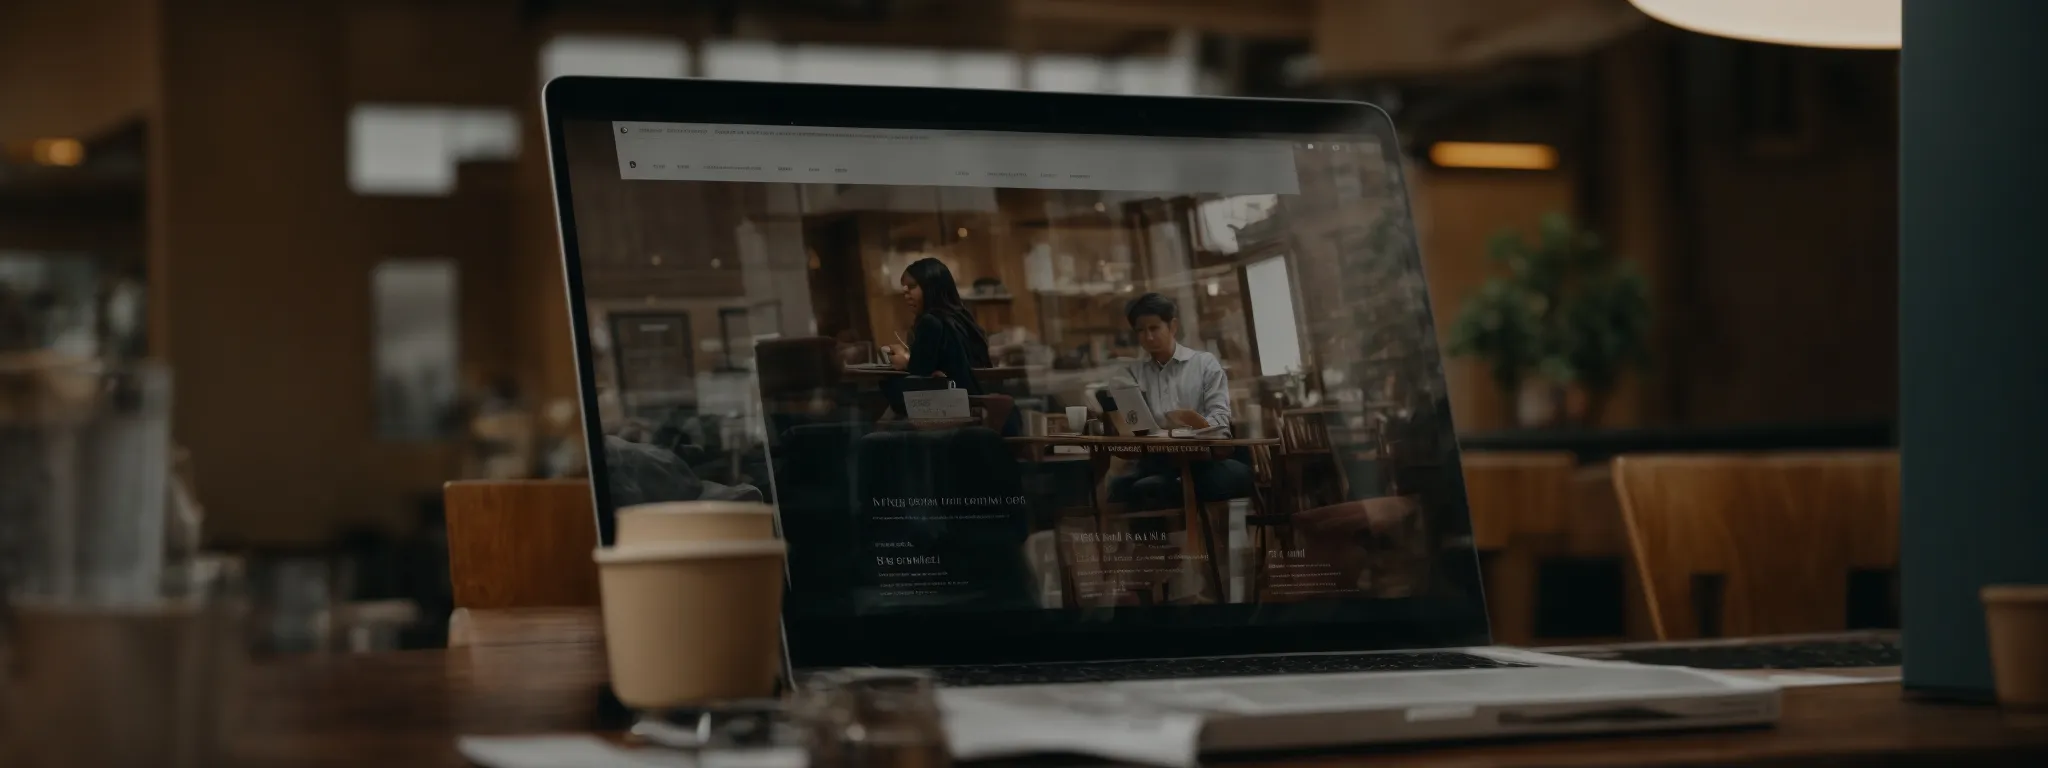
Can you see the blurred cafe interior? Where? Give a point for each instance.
(333, 221)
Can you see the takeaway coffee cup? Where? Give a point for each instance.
(2017, 617)
(692, 624)
(687, 521)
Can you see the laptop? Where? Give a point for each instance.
(1130, 403)
(773, 223)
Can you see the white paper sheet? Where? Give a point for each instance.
(980, 728)
(559, 751)
(1784, 678)
(1800, 679)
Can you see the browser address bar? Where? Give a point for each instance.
(808, 155)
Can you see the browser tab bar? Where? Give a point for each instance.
(814, 155)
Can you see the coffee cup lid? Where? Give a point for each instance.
(689, 550)
(700, 508)
(2017, 593)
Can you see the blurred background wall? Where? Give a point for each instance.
(333, 217)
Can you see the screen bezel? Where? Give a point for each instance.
(1455, 619)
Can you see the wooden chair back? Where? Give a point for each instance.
(1518, 493)
(1266, 478)
(491, 627)
(1757, 544)
(519, 562)
(1521, 506)
(1305, 431)
(797, 366)
(994, 409)
(1304, 442)
(521, 543)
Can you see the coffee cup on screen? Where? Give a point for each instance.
(1077, 417)
(692, 624)
(686, 521)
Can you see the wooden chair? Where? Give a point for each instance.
(1271, 523)
(1597, 532)
(798, 367)
(1521, 506)
(519, 562)
(994, 410)
(1304, 442)
(1742, 545)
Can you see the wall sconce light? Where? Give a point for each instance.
(1493, 155)
(63, 153)
(1812, 23)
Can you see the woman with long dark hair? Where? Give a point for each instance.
(944, 337)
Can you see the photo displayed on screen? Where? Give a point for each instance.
(1001, 371)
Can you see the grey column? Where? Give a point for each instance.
(1973, 324)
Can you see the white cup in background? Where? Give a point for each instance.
(1077, 417)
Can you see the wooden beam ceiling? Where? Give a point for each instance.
(1094, 27)
(1242, 18)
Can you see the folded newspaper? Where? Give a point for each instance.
(1112, 727)
(587, 751)
(1105, 723)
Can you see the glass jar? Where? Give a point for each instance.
(872, 718)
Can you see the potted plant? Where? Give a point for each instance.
(1567, 312)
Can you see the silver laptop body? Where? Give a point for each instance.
(763, 230)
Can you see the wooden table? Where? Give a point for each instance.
(405, 710)
(1185, 450)
(880, 371)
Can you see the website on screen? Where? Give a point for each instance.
(1000, 371)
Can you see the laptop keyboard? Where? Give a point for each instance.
(1813, 654)
(1173, 669)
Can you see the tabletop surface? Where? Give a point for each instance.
(885, 369)
(1143, 440)
(406, 709)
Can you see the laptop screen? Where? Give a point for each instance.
(1058, 382)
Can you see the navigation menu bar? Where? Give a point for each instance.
(804, 155)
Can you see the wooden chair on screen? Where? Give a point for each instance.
(1309, 461)
(1521, 505)
(1270, 525)
(1763, 544)
(994, 410)
(519, 562)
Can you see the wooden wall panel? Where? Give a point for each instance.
(107, 224)
(1380, 38)
(74, 67)
(547, 351)
(263, 301)
(1789, 270)
(261, 257)
(1457, 212)
(463, 52)
(1633, 207)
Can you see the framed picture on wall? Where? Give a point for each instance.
(652, 354)
(767, 320)
(740, 327)
(736, 338)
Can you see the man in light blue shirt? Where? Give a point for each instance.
(1185, 388)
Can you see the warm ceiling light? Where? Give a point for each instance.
(1817, 23)
(1482, 154)
(59, 152)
